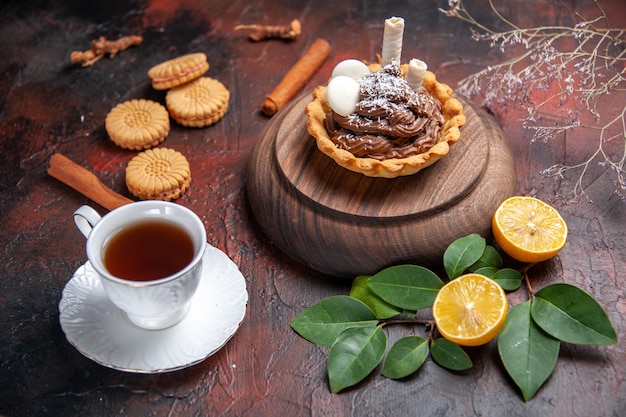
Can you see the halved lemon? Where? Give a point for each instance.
(470, 310)
(528, 229)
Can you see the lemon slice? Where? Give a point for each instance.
(470, 310)
(528, 229)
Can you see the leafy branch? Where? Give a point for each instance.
(582, 66)
(352, 326)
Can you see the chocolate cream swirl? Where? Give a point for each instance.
(391, 119)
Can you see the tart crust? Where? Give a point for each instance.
(454, 119)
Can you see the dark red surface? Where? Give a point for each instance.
(47, 106)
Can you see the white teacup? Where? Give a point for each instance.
(150, 304)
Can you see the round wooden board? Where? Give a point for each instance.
(332, 187)
(345, 224)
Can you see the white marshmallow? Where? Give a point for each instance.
(343, 94)
(352, 68)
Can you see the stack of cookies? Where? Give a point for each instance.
(191, 100)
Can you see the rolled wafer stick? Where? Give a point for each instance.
(415, 74)
(392, 40)
(296, 78)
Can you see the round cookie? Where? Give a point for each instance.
(158, 174)
(178, 71)
(199, 103)
(138, 124)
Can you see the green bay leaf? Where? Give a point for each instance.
(354, 355)
(324, 321)
(405, 357)
(490, 258)
(488, 271)
(528, 353)
(509, 279)
(571, 315)
(463, 253)
(450, 355)
(409, 287)
(362, 291)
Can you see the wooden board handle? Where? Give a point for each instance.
(85, 182)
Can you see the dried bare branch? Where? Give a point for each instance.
(551, 66)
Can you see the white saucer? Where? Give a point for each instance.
(99, 330)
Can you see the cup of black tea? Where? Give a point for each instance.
(148, 255)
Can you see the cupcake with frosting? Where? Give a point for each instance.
(385, 120)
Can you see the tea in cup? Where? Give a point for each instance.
(148, 256)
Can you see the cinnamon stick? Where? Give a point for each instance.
(85, 182)
(297, 77)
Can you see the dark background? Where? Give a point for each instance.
(48, 105)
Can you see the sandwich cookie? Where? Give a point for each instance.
(178, 71)
(137, 124)
(199, 103)
(158, 174)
